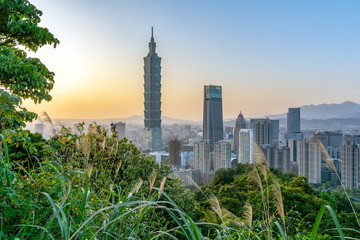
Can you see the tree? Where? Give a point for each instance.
(22, 77)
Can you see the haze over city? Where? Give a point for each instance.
(267, 56)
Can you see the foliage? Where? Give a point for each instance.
(21, 77)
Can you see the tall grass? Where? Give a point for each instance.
(80, 210)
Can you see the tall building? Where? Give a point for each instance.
(152, 99)
(239, 124)
(120, 129)
(174, 152)
(222, 155)
(277, 157)
(309, 159)
(266, 131)
(246, 150)
(293, 121)
(39, 126)
(350, 165)
(330, 139)
(213, 115)
(202, 160)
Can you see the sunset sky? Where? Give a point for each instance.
(267, 55)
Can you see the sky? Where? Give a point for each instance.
(268, 55)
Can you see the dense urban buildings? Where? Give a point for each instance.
(350, 165)
(213, 129)
(266, 131)
(152, 140)
(309, 159)
(277, 156)
(239, 124)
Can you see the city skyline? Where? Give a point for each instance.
(289, 54)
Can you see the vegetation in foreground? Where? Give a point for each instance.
(94, 186)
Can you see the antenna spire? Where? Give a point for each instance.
(152, 32)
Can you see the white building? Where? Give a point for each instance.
(246, 151)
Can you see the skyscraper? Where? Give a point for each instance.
(152, 99)
(266, 131)
(120, 128)
(293, 121)
(350, 165)
(174, 152)
(246, 141)
(213, 115)
(222, 155)
(309, 158)
(239, 124)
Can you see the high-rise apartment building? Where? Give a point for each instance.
(152, 99)
(350, 165)
(266, 131)
(309, 159)
(120, 129)
(239, 124)
(277, 157)
(213, 129)
(246, 149)
(202, 159)
(293, 121)
(222, 155)
(330, 139)
(174, 152)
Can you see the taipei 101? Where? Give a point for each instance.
(188, 120)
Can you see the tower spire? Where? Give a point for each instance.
(152, 44)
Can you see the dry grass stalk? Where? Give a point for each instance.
(259, 157)
(234, 219)
(117, 146)
(118, 167)
(137, 186)
(103, 143)
(215, 206)
(152, 179)
(93, 128)
(247, 216)
(279, 201)
(326, 157)
(90, 171)
(162, 185)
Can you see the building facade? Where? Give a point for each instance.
(246, 148)
(277, 157)
(213, 129)
(175, 152)
(350, 165)
(239, 124)
(222, 155)
(152, 140)
(266, 131)
(293, 121)
(120, 129)
(309, 160)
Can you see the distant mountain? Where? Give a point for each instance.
(325, 111)
(135, 120)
